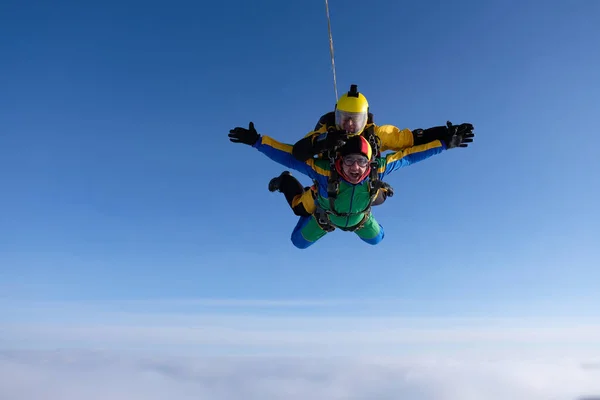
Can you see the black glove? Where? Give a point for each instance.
(458, 135)
(243, 135)
(332, 139)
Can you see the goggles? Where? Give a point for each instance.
(355, 158)
(351, 122)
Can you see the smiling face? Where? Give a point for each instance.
(354, 167)
(354, 162)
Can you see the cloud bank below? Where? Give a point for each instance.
(74, 375)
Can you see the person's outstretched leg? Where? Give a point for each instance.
(298, 197)
(371, 232)
(307, 232)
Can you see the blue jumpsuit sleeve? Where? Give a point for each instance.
(409, 156)
(282, 154)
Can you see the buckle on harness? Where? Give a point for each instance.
(323, 220)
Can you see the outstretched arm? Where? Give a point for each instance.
(279, 152)
(406, 157)
(428, 142)
(453, 135)
(394, 138)
(282, 153)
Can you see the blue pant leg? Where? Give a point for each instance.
(377, 238)
(372, 232)
(306, 232)
(297, 238)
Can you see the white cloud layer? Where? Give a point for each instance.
(69, 375)
(316, 354)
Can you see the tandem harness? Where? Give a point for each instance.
(333, 184)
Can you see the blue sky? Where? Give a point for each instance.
(119, 183)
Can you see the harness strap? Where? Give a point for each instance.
(322, 218)
(375, 182)
(333, 184)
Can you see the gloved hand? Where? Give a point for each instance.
(243, 135)
(458, 135)
(331, 139)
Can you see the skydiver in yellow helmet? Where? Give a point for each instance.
(351, 116)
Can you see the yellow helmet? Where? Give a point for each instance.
(352, 111)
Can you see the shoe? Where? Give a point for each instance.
(275, 182)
